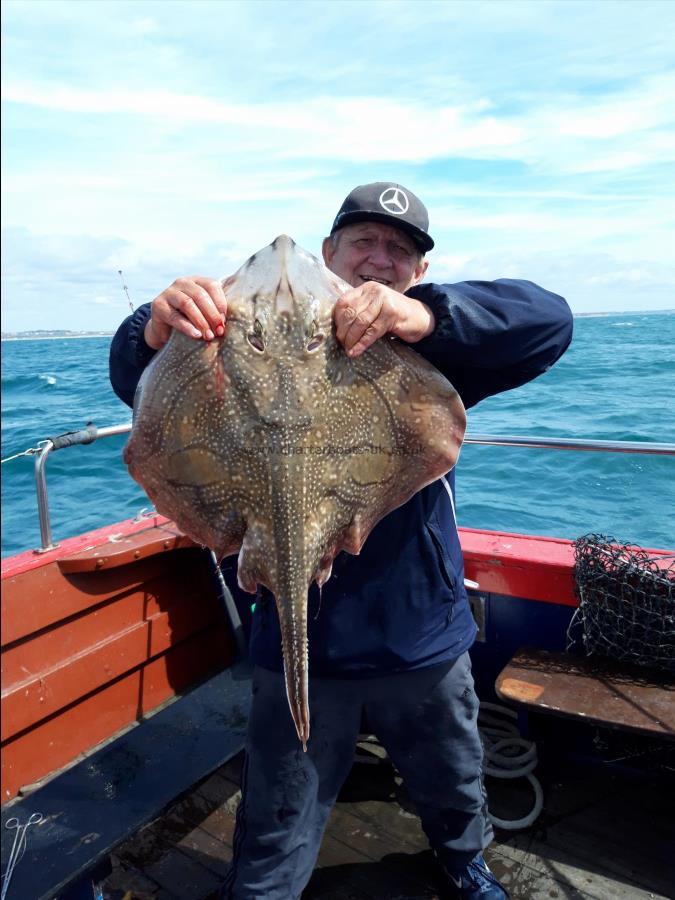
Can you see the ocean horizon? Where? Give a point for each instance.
(55, 334)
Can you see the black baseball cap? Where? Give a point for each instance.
(390, 203)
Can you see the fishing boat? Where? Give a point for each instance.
(126, 692)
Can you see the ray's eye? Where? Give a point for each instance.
(315, 343)
(315, 340)
(255, 337)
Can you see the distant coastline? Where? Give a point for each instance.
(52, 335)
(623, 312)
(55, 335)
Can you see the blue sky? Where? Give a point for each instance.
(172, 138)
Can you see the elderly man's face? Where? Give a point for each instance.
(373, 251)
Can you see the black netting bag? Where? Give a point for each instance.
(626, 602)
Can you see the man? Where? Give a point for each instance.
(390, 635)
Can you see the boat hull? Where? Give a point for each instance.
(111, 625)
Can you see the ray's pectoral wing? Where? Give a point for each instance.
(404, 426)
(431, 410)
(209, 498)
(185, 452)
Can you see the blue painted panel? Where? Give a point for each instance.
(510, 623)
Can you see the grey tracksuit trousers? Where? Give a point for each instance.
(426, 720)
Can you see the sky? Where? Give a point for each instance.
(175, 138)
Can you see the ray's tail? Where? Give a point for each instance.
(293, 620)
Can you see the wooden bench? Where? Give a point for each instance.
(599, 690)
(93, 806)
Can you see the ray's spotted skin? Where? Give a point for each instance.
(273, 443)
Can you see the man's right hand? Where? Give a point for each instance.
(194, 305)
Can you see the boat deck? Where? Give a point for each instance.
(605, 833)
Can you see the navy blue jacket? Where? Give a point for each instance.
(401, 604)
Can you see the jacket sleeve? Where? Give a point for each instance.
(129, 354)
(491, 336)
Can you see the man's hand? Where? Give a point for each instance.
(194, 305)
(366, 313)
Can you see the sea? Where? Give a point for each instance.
(616, 382)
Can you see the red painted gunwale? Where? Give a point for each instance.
(31, 559)
(527, 566)
(96, 634)
(518, 565)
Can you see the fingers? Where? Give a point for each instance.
(195, 306)
(214, 296)
(366, 313)
(201, 301)
(362, 316)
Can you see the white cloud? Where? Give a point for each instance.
(580, 135)
(316, 127)
(642, 107)
(636, 275)
(143, 26)
(590, 281)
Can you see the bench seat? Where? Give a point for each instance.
(602, 691)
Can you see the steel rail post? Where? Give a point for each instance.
(47, 446)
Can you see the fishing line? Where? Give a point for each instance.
(125, 289)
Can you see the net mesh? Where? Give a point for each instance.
(626, 602)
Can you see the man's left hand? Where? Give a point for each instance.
(366, 313)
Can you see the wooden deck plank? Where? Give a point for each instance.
(604, 861)
(571, 883)
(601, 834)
(334, 852)
(397, 876)
(356, 832)
(126, 879)
(392, 821)
(182, 877)
(231, 770)
(201, 847)
(374, 849)
(220, 823)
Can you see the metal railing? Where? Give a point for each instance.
(87, 435)
(495, 440)
(91, 433)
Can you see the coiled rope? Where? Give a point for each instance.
(509, 755)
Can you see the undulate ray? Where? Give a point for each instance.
(271, 442)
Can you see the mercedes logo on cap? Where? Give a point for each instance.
(394, 201)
